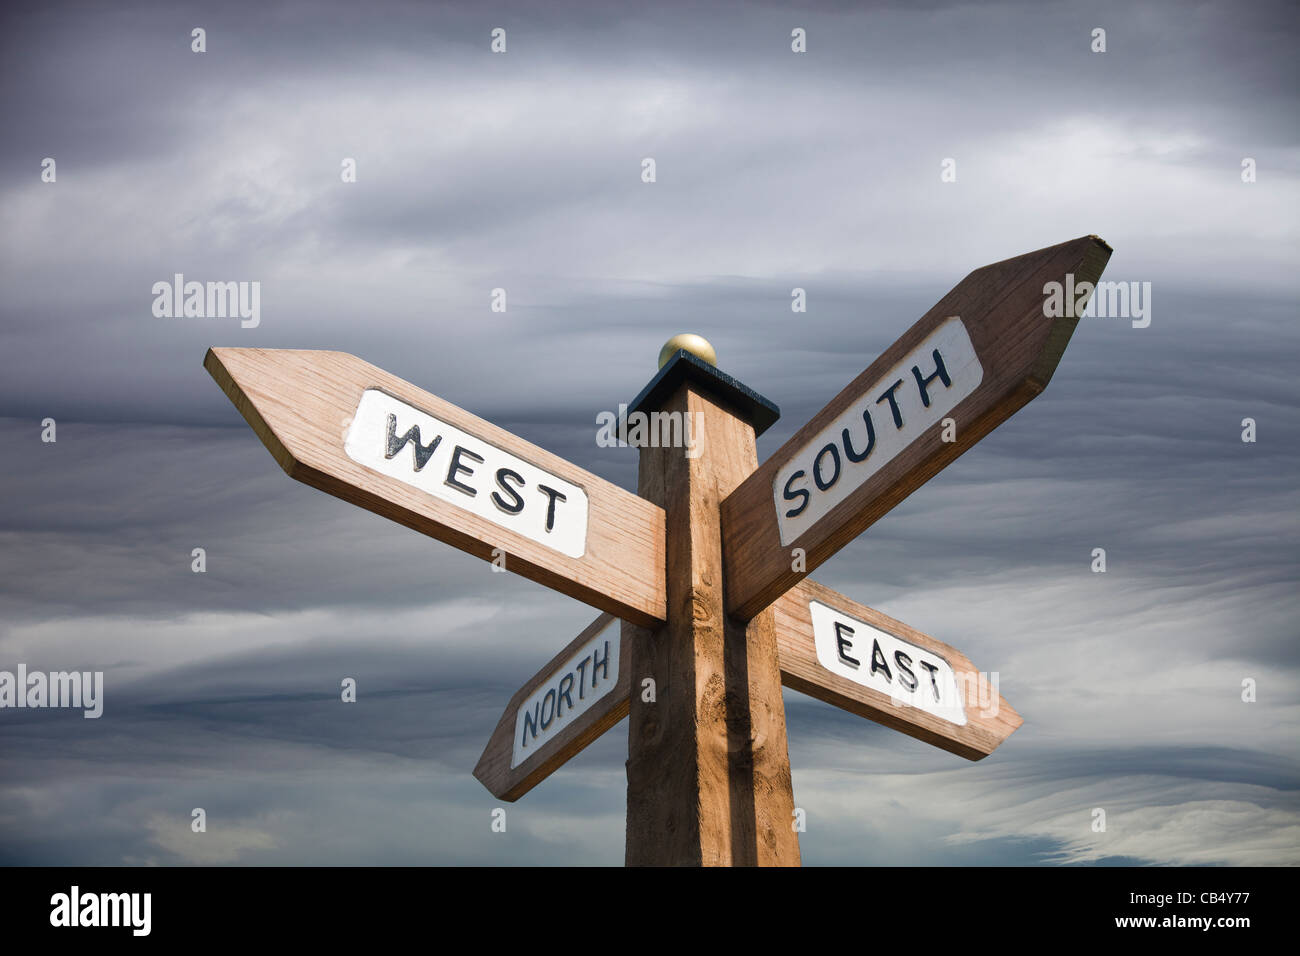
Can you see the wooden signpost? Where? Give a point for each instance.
(700, 575)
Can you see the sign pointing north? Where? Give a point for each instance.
(580, 694)
(576, 685)
(983, 352)
(708, 764)
(357, 432)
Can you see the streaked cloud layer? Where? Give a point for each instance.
(522, 171)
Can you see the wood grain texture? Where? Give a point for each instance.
(300, 404)
(708, 767)
(1001, 307)
(507, 783)
(988, 722)
(800, 670)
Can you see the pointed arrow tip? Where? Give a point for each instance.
(226, 369)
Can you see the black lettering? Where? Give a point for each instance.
(547, 721)
(791, 494)
(878, 662)
(817, 467)
(933, 683)
(893, 403)
(550, 506)
(601, 662)
(905, 674)
(530, 720)
(582, 677)
(394, 444)
(939, 372)
(566, 694)
(849, 453)
(518, 505)
(456, 468)
(844, 645)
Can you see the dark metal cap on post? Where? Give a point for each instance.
(684, 366)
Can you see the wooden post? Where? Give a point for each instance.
(709, 533)
(708, 768)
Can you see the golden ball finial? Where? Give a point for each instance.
(697, 345)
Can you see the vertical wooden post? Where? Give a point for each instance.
(708, 768)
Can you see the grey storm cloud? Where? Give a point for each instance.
(774, 171)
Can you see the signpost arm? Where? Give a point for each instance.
(708, 767)
(507, 772)
(1001, 343)
(321, 414)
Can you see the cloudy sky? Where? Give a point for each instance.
(522, 171)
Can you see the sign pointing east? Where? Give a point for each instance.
(850, 655)
(708, 766)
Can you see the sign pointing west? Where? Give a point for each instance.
(357, 432)
(716, 630)
(983, 352)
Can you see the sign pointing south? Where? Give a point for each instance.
(708, 767)
(923, 388)
(983, 352)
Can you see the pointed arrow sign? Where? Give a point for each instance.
(852, 656)
(984, 351)
(570, 702)
(353, 430)
(829, 647)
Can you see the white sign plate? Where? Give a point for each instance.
(402, 442)
(911, 397)
(571, 689)
(866, 655)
